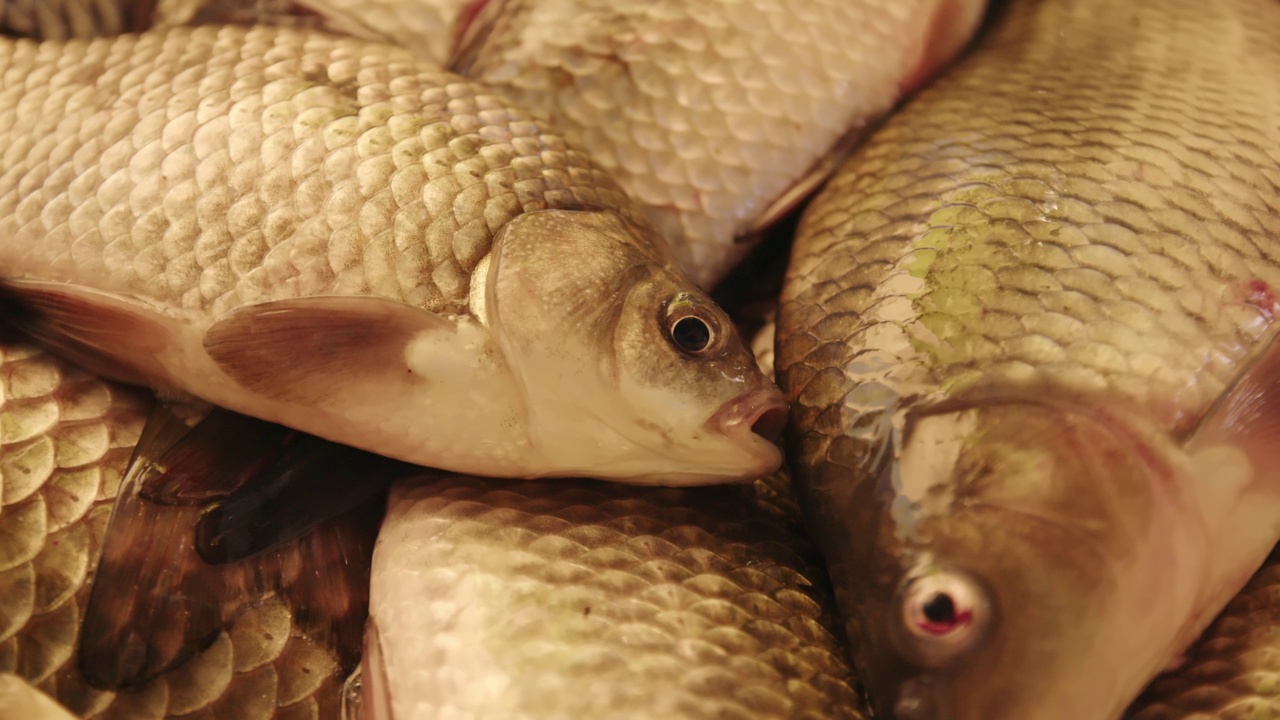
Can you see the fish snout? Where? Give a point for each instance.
(759, 412)
(753, 422)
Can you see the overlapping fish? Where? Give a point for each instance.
(65, 441)
(717, 117)
(545, 599)
(333, 235)
(1028, 331)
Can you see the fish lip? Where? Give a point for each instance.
(754, 420)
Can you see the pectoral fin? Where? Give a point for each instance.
(1247, 415)
(307, 482)
(155, 602)
(111, 335)
(321, 351)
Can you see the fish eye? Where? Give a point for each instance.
(692, 328)
(944, 614)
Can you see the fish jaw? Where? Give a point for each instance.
(1087, 531)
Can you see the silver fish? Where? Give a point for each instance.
(1029, 332)
(719, 116)
(333, 235)
(571, 599)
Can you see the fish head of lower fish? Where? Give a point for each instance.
(1011, 560)
(632, 372)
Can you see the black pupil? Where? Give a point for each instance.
(691, 334)
(940, 609)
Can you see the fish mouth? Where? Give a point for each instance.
(757, 415)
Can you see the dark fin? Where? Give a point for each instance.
(319, 350)
(214, 459)
(806, 185)
(155, 603)
(140, 15)
(309, 481)
(64, 21)
(1247, 415)
(104, 333)
(471, 30)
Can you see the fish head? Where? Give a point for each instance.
(631, 372)
(1010, 561)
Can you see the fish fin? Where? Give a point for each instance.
(1247, 415)
(471, 29)
(804, 187)
(105, 333)
(155, 602)
(309, 482)
(374, 698)
(319, 351)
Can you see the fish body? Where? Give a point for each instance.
(336, 236)
(716, 116)
(1028, 333)
(548, 600)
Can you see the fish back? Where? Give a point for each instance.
(204, 168)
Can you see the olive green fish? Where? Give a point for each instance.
(1028, 329)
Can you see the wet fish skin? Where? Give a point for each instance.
(351, 200)
(1020, 329)
(711, 114)
(65, 439)
(572, 599)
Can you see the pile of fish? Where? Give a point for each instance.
(413, 359)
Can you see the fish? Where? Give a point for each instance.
(336, 236)
(571, 599)
(718, 117)
(1028, 335)
(66, 440)
(711, 595)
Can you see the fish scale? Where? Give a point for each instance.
(298, 152)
